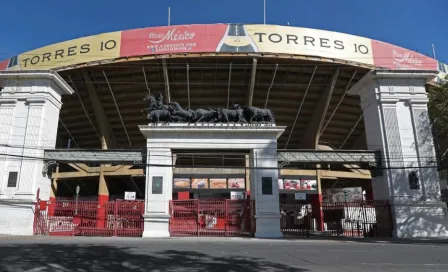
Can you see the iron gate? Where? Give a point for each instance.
(89, 218)
(348, 219)
(212, 218)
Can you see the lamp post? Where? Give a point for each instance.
(76, 199)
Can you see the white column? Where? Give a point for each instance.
(6, 113)
(29, 110)
(397, 124)
(267, 209)
(159, 183)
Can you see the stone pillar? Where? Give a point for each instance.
(29, 111)
(159, 191)
(264, 190)
(396, 120)
(260, 140)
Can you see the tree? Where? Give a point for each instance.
(438, 113)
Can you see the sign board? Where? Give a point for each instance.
(300, 196)
(129, 195)
(266, 185)
(212, 38)
(236, 195)
(157, 185)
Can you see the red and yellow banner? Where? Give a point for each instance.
(393, 57)
(82, 50)
(311, 42)
(212, 38)
(171, 39)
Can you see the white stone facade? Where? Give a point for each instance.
(29, 116)
(261, 141)
(396, 120)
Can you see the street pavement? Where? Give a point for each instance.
(80, 254)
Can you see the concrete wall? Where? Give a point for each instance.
(397, 124)
(16, 217)
(29, 116)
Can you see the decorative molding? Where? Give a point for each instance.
(6, 76)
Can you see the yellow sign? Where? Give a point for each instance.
(304, 41)
(87, 49)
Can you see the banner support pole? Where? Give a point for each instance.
(264, 12)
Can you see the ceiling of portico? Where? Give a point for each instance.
(280, 84)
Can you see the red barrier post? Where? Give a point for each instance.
(103, 198)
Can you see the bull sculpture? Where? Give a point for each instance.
(158, 112)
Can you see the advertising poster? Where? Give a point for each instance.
(87, 49)
(300, 184)
(218, 183)
(292, 184)
(308, 184)
(182, 183)
(237, 39)
(171, 39)
(304, 41)
(397, 58)
(337, 195)
(199, 183)
(236, 183)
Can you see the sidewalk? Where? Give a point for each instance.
(313, 240)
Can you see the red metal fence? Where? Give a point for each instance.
(357, 219)
(89, 218)
(212, 218)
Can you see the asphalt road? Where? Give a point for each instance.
(42, 254)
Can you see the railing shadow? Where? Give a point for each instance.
(84, 257)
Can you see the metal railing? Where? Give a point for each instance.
(345, 219)
(89, 218)
(212, 218)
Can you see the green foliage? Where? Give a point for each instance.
(438, 107)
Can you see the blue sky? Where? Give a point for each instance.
(414, 24)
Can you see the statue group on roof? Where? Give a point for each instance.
(159, 112)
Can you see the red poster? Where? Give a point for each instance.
(390, 56)
(3, 65)
(171, 39)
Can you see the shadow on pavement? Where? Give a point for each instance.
(56, 257)
(375, 240)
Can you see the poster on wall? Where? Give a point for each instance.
(308, 184)
(218, 183)
(182, 183)
(299, 184)
(292, 184)
(335, 195)
(199, 183)
(236, 183)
